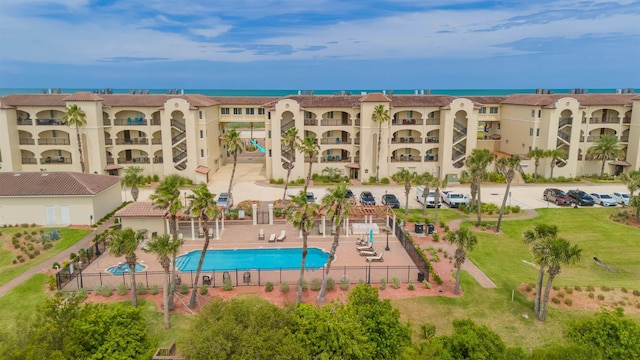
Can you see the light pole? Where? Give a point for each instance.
(387, 247)
(80, 269)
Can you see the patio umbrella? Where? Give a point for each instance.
(371, 235)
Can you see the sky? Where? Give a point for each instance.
(320, 44)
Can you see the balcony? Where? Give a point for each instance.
(624, 138)
(57, 122)
(626, 120)
(155, 122)
(133, 141)
(29, 160)
(335, 141)
(356, 141)
(607, 120)
(334, 158)
(405, 158)
(336, 122)
(590, 138)
(106, 122)
(110, 161)
(55, 160)
(431, 140)
(431, 158)
(432, 121)
(108, 141)
(310, 122)
(157, 160)
(156, 141)
(408, 140)
(135, 160)
(130, 122)
(564, 122)
(406, 122)
(25, 122)
(53, 141)
(26, 141)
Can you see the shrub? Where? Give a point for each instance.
(81, 293)
(47, 246)
(395, 282)
(556, 287)
(555, 300)
(560, 294)
(344, 283)
(384, 180)
(577, 288)
(227, 285)
(51, 281)
(204, 290)
(436, 237)
(411, 286)
(36, 252)
(141, 289)
(426, 284)
(15, 261)
(184, 289)
(284, 287)
(122, 289)
(305, 285)
(569, 290)
(605, 288)
(428, 331)
(590, 288)
(636, 292)
(104, 290)
(268, 287)
(529, 288)
(591, 295)
(600, 297)
(568, 302)
(331, 284)
(383, 283)
(624, 290)
(154, 290)
(316, 284)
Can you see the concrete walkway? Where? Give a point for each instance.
(63, 256)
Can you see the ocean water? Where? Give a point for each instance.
(267, 92)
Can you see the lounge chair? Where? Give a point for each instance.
(246, 277)
(375, 258)
(178, 281)
(368, 253)
(206, 280)
(226, 276)
(282, 236)
(365, 247)
(210, 233)
(272, 238)
(261, 234)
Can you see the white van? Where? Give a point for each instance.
(430, 198)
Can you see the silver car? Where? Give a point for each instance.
(604, 199)
(621, 197)
(225, 201)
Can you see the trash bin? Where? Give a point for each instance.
(419, 228)
(240, 214)
(430, 229)
(420, 277)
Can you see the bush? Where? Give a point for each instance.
(204, 290)
(428, 331)
(591, 295)
(384, 180)
(344, 283)
(51, 281)
(268, 287)
(154, 290)
(284, 287)
(590, 288)
(605, 288)
(560, 294)
(436, 237)
(411, 286)
(395, 282)
(600, 297)
(184, 289)
(555, 300)
(636, 292)
(624, 290)
(122, 289)
(316, 284)
(305, 285)
(81, 294)
(577, 288)
(331, 284)
(47, 246)
(426, 284)
(141, 289)
(529, 288)
(568, 302)
(556, 287)
(383, 283)
(568, 290)
(227, 285)
(515, 209)
(104, 290)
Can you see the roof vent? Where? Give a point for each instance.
(45, 174)
(16, 174)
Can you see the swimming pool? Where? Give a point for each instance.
(124, 269)
(244, 259)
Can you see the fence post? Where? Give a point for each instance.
(259, 284)
(146, 278)
(369, 275)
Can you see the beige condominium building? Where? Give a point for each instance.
(166, 134)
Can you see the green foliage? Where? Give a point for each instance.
(562, 352)
(331, 284)
(141, 289)
(204, 290)
(268, 287)
(497, 178)
(316, 284)
(395, 282)
(428, 331)
(184, 289)
(154, 290)
(383, 283)
(590, 288)
(122, 289)
(568, 302)
(345, 284)
(284, 287)
(411, 286)
(426, 284)
(384, 181)
(104, 290)
(305, 285)
(51, 282)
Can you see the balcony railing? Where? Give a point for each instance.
(25, 122)
(178, 138)
(178, 125)
(179, 157)
(408, 140)
(432, 121)
(431, 139)
(155, 122)
(357, 122)
(406, 122)
(564, 122)
(624, 138)
(356, 141)
(55, 160)
(25, 141)
(335, 141)
(29, 160)
(130, 121)
(458, 137)
(110, 161)
(157, 160)
(335, 122)
(58, 122)
(405, 158)
(135, 160)
(334, 158)
(564, 136)
(459, 128)
(607, 120)
(156, 141)
(134, 141)
(431, 158)
(106, 122)
(311, 122)
(108, 141)
(590, 138)
(626, 120)
(53, 141)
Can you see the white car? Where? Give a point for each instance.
(430, 197)
(621, 198)
(604, 199)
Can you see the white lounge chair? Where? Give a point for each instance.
(368, 253)
(261, 234)
(282, 236)
(375, 258)
(210, 233)
(272, 238)
(364, 247)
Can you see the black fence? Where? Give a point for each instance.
(90, 254)
(414, 254)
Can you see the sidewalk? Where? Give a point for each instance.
(59, 258)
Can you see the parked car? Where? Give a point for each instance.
(430, 197)
(557, 196)
(225, 201)
(581, 198)
(311, 198)
(604, 199)
(391, 200)
(454, 199)
(366, 198)
(621, 198)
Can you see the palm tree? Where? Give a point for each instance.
(203, 206)
(632, 180)
(536, 154)
(132, 179)
(165, 249)
(477, 164)
(437, 184)
(555, 155)
(309, 147)
(380, 115)
(606, 148)
(464, 240)
(407, 178)
(289, 139)
(534, 237)
(338, 208)
(124, 242)
(302, 215)
(425, 179)
(74, 116)
(234, 144)
(507, 167)
(560, 252)
(167, 197)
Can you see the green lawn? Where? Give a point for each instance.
(445, 215)
(68, 237)
(22, 300)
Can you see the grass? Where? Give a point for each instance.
(22, 300)
(155, 323)
(445, 215)
(68, 237)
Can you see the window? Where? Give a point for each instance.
(54, 133)
(538, 132)
(410, 114)
(237, 111)
(307, 115)
(533, 113)
(330, 115)
(498, 126)
(539, 113)
(201, 134)
(224, 111)
(269, 152)
(249, 111)
(200, 114)
(483, 110)
(269, 134)
(493, 110)
(201, 153)
(530, 131)
(260, 111)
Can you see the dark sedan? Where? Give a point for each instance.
(390, 200)
(366, 198)
(581, 198)
(557, 196)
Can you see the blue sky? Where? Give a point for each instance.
(320, 44)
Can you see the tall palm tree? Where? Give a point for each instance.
(534, 237)
(477, 164)
(133, 178)
(309, 147)
(203, 206)
(407, 178)
(302, 215)
(536, 154)
(555, 155)
(289, 139)
(507, 167)
(124, 242)
(74, 116)
(632, 180)
(437, 184)
(560, 252)
(167, 197)
(425, 179)
(234, 144)
(607, 148)
(465, 240)
(165, 249)
(380, 115)
(338, 208)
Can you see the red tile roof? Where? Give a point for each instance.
(54, 183)
(549, 100)
(202, 169)
(83, 96)
(375, 97)
(140, 209)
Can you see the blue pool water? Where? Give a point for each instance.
(124, 268)
(244, 259)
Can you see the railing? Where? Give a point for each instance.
(180, 157)
(157, 160)
(432, 121)
(564, 136)
(106, 122)
(29, 160)
(108, 141)
(55, 160)
(626, 120)
(178, 138)
(457, 156)
(624, 138)
(607, 120)
(357, 122)
(334, 158)
(130, 121)
(459, 137)
(156, 141)
(178, 125)
(414, 254)
(410, 140)
(134, 141)
(313, 159)
(58, 122)
(110, 161)
(155, 122)
(311, 122)
(459, 128)
(335, 122)
(63, 277)
(135, 160)
(406, 122)
(25, 122)
(407, 158)
(590, 138)
(356, 141)
(53, 141)
(428, 140)
(431, 158)
(25, 141)
(335, 141)
(563, 122)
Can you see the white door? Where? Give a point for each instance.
(65, 214)
(51, 215)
